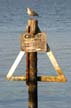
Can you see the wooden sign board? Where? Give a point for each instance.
(35, 43)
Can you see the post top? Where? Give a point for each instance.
(32, 21)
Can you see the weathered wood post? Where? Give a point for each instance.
(31, 67)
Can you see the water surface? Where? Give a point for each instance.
(55, 20)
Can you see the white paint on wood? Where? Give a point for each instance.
(53, 60)
(15, 64)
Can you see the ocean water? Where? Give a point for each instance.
(55, 20)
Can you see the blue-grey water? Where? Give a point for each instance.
(55, 20)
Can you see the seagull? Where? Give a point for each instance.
(31, 12)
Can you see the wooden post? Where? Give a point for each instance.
(31, 67)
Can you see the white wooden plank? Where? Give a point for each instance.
(53, 60)
(15, 64)
(54, 63)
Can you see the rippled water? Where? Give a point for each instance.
(55, 20)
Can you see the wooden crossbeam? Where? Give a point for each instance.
(59, 78)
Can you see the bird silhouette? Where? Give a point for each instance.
(30, 12)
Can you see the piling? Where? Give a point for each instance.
(31, 67)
